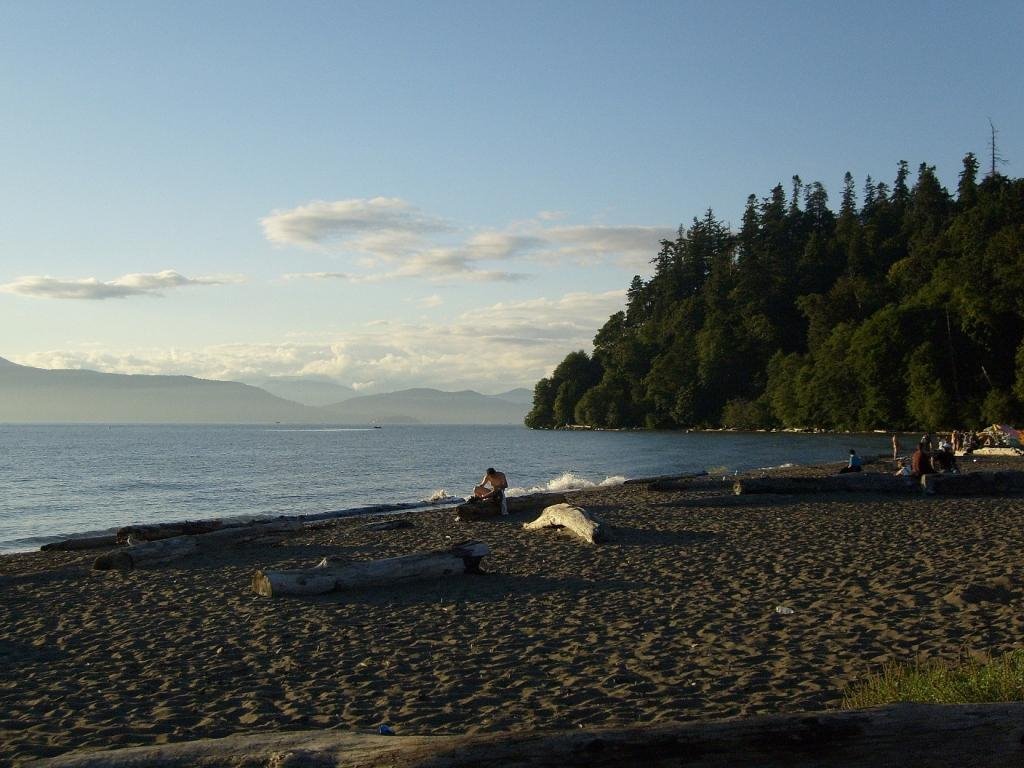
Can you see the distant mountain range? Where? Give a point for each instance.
(40, 395)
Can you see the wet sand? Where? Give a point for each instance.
(672, 620)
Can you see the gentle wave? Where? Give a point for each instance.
(567, 481)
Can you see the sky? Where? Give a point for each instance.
(445, 194)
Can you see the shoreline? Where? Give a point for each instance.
(673, 620)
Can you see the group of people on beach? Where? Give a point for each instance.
(927, 459)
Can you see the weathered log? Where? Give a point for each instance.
(73, 545)
(863, 482)
(148, 552)
(973, 483)
(157, 531)
(573, 518)
(388, 525)
(164, 550)
(475, 509)
(327, 576)
(908, 735)
(666, 482)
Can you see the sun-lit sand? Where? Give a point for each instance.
(674, 619)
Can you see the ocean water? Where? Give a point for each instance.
(62, 480)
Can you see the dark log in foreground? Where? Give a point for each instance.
(73, 545)
(974, 483)
(327, 576)
(905, 735)
(572, 518)
(853, 482)
(534, 502)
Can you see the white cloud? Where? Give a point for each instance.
(429, 302)
(134, 284)
(389, 239)
(320, 222)
(520, 342)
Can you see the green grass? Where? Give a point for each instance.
(968, 681)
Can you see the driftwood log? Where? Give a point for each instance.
(164, 550)
(863, 482)
(157, 531)
(572, 518)
(480, 509)
(666, 482)
(388, 525)
(974, 483)
(905, 735)
(327, 576)
(73, 545)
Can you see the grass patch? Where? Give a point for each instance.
(968, 681)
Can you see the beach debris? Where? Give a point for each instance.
(385, 730)
(783, 610)
(573, 518)
(461, 558)
(481, 509)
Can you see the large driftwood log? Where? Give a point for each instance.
(148, 553)
(573, 518)
(157, 531)
(905, 735)
(327, 576)
(666, 482)
(864, 482)
(73, 545)
(164, 550)
(479, 509)
(974, 483)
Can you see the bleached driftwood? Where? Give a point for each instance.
(911, 735)
(73, 545)
(573, 518)
(974, 483)
(863, 482)
(473, 510)
(327, 576)
(164, 550)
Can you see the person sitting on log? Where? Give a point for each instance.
(854, 464)
(944, 460)
(492, 488)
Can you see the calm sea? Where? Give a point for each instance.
(60, 480)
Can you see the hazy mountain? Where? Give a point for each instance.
(307, 391)
(519, 396)
(429, 406)
(36, 394)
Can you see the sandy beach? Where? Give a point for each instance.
(674, 619)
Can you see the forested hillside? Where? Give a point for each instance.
(903, 310)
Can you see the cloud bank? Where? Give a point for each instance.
(89, 288)
(389, 239)
(520, 342)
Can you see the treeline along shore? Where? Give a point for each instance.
(697, 603)
(901, 311)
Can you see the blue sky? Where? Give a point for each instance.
(445, 194)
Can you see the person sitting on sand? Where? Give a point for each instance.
(944, 460)
(498, 483)
(854, 464)
(904, 469)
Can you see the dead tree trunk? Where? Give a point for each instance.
(475, 510)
